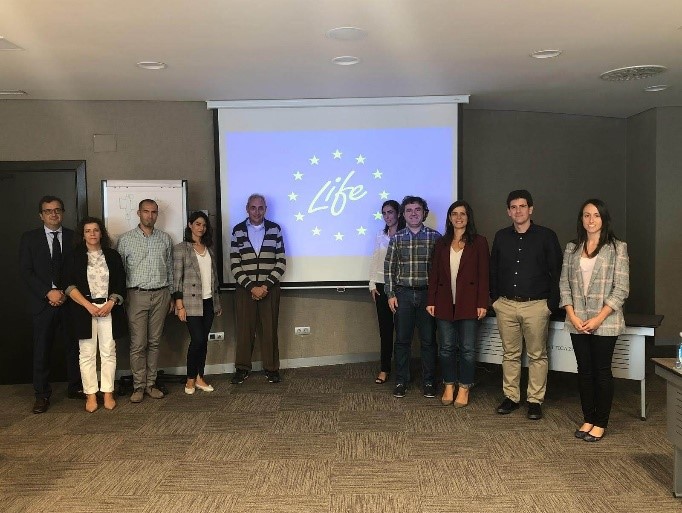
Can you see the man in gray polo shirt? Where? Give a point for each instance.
(148, 259)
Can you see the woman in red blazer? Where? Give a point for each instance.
(458, 299)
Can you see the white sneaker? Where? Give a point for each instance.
(189, 391)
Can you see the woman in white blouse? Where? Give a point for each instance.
(196, 293)
(594, 284)
(95, 280)
(390, 211)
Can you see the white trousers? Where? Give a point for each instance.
(101, 332)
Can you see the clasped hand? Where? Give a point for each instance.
(101, 310)
(587, 327)
(258, 293)
(56, 297)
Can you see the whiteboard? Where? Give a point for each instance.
(120, 200)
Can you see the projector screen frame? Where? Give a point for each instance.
(338, 285)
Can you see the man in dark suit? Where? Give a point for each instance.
(41, 256)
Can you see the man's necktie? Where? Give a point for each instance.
(56, 258)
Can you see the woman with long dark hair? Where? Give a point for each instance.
(197, 294)
(95, 280)
(390, 211)
(458, 299)
(594, 284)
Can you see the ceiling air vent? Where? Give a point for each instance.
(632, 73)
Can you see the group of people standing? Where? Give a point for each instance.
(448, 282)
(152, 278)
(441, 285)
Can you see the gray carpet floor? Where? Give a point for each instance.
(327, 439)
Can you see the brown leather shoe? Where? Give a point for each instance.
(109, 401)
(462, 399)
(91, 403)
(448, 393)
(41, 405)
(153, 392)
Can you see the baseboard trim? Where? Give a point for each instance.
(291, 363)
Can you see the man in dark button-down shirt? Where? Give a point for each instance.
(525, 265)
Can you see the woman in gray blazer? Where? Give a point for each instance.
(197, 295)
(594, 284)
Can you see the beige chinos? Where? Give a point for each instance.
(520, 322)
(147, 311)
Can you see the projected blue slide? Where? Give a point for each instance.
(325, 188)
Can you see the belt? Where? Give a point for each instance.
(423, 287)
(146, 290)
(520, 299)
(99, 300)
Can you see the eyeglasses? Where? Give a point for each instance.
(48, 211)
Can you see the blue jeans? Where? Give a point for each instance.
(412, 311)
(457, 339)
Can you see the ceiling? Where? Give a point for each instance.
(277, 49)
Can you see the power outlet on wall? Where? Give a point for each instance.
(218, 335)
(302, 330)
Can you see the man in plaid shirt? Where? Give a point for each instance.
(406, 271)
(147, 255)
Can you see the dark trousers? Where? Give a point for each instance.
(412, 312)
(199, 328)
(257, 319)
(595, 380)
(385, 317)
(46, 326)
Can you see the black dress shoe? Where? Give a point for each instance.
(75, 394)
(591, 438)
(507, 406)
(579, 434)
(239, 376)
(41, 405)
(399, 391)
(534, 411)
(273, 376)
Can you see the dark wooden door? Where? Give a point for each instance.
(21, 187)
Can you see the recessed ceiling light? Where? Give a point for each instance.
(632, 73)
(545, 54)
(152, 65)
(656, 88)
(347, 33)
(345, 60)
(16, 92)
(5, 44)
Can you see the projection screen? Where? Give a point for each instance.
(326, 166)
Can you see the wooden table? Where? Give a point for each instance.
(665, 367)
